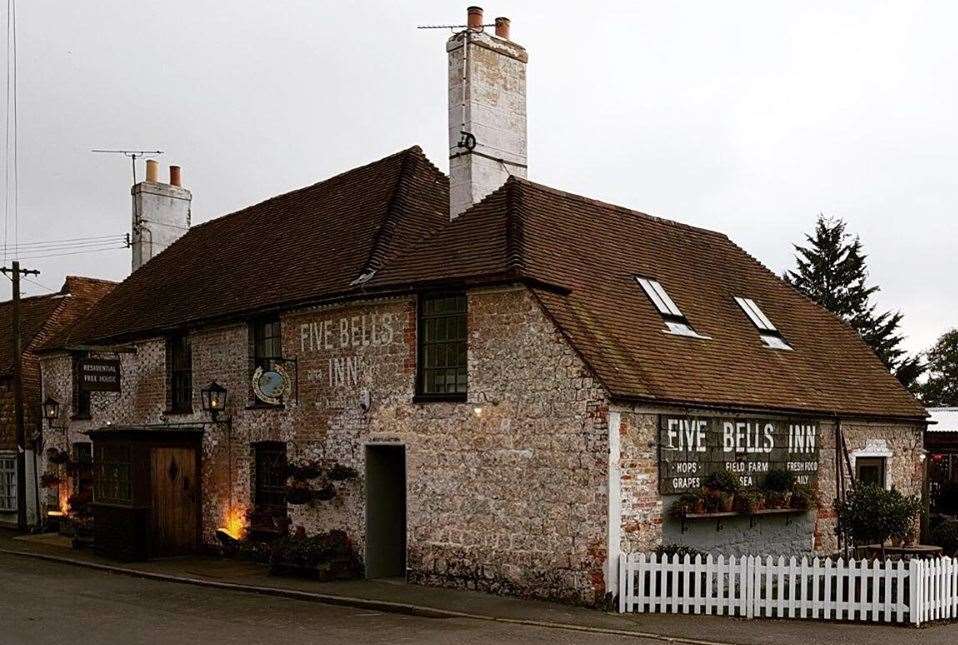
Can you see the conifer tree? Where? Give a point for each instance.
(941, 388)
(831, 270)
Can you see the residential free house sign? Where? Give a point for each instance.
(690, 448)
(98, 374)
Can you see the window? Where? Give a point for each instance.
(870, 470)
(8, 483)
(675, 320)
(83, 457)
(112, 482)
(443, 346)
(180, 361)
(81, 398)
(265, 341)
(270, 477)
(769, 334)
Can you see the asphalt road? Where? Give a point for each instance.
(45, 602)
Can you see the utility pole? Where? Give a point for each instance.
(15, 272)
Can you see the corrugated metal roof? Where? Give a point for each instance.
(944, 419)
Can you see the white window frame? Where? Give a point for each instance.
(675, 320)
(11, 489)
(771, 337)
(874, 448)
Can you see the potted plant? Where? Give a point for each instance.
(58, 457)
(803, 497)
(338, 472)
(872, 515)
(298, 494)
(748, 501)
(689, 503)
(778, 486)
(304, 472)
(723, 484)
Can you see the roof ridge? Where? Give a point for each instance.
(384, 234)
(415, 149)
(615, 207)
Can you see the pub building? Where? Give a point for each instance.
(522, 379)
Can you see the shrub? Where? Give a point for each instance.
(946, 536)
(872, 515)
(749, 501)
(671, 550)
(325, 555)
(724, 481)
(779, 481)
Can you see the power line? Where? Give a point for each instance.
(59, 255)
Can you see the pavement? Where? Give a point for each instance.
(419, 606)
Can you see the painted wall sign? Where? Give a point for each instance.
(690, 448)
(346, 338)
(98, 374)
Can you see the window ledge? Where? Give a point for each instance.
(260, 405)
(685, 335)
(439, 398)
(177, 413)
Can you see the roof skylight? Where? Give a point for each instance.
(768, 332)
(675, 320)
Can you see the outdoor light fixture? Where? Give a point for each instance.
(214, 399)
(51, 410)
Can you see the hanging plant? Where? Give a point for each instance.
(56, 456)
(338, 472)
(325, 493)
(49, 480)
(305, 472)
(298, 495)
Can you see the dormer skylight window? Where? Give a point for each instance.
(767, 331)
(675, 320)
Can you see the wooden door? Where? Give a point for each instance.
(175, 493)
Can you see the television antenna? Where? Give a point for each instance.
(132, 154)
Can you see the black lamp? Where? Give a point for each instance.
(51, 410)
(214, 399)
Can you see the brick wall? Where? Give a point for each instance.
(506, 492)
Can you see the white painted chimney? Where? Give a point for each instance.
(161, 214)
(487, 111)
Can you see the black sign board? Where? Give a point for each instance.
(98, 374)
(690, 448)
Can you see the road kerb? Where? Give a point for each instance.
(351, 601)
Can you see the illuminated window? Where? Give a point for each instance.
(675, 320)
(767, 331)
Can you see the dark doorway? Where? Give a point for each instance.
(385, 511)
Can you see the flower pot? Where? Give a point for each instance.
(726, 502)
(699, 507)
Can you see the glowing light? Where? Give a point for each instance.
(478, 411)
(235, 524)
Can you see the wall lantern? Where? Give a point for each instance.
(51, 410)
(214, 399)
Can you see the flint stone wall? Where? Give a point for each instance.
(505, 492)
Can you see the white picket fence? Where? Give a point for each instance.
(916, 591)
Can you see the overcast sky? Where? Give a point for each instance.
(747, 118)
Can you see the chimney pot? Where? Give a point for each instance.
(152, 170)
(474, 18)
(175, 176)
(502, 28)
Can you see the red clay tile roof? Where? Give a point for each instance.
(46, 317)
(579, 256)
(305, 245)
(592, 251)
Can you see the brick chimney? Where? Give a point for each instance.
(161, 213)
(487, 111)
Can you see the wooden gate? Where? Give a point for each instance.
(175, 493)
